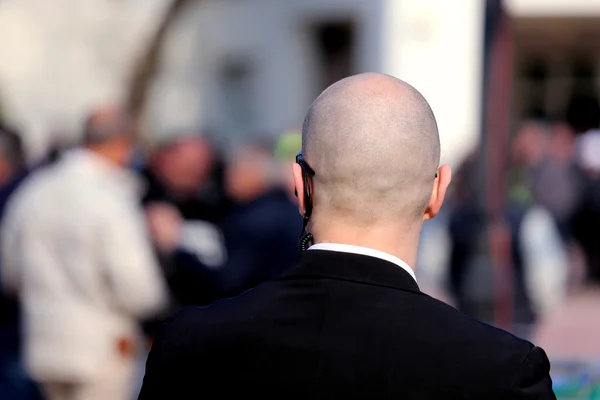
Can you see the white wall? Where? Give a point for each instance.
(436, 45)
(274, 35)
(60, 57)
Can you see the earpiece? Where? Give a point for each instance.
(307, 194)
(306, 238)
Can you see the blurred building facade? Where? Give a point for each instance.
(557, 54)
(238, 66)
(255, 65)
(259, 64)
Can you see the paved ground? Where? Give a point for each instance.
(573, 330)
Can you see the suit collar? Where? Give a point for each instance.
(353, 267)
(365, 251)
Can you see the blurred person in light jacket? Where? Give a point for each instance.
(75, 250)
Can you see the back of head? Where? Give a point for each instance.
(184, 164)
(373, 141)
(252, 170)
(529, 144)
(110, 132)
(106, 123)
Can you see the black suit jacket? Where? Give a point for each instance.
(340, 326)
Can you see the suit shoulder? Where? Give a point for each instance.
(487, 345)
(534, 377)
(510, 363)
(185, 319)
(201, 321)
(474, 329)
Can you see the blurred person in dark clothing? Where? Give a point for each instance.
(528, 153)
(185, 207)
(572, 331)
(466, 224)
(260, 232)
(583, 115)
(553, 179)
(467, 220)
(262, 229)
(184, 172)
(14, 382)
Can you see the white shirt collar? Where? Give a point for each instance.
(365, 251)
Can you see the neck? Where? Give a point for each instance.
(107, 153)
(401, 242)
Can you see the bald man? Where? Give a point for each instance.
(349, 321)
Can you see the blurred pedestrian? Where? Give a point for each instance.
(466, 222)
(467, 225)
(572, 331)
(185, 210)
(76, 252)
(584, 118)
(555, 181)
(259, 233)
(183, 172)
(262, 229)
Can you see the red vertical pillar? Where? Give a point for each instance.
(495, 146)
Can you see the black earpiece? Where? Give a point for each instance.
(306, 238)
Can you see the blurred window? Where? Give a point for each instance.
(335, 44)
(237, 94)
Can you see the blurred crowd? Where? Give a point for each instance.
(554, 169)
(101, 241)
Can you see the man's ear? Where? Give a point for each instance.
(440, 186)
(299, 185)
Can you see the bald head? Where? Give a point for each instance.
(109, 131)
(106, 122)
(373, 141)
